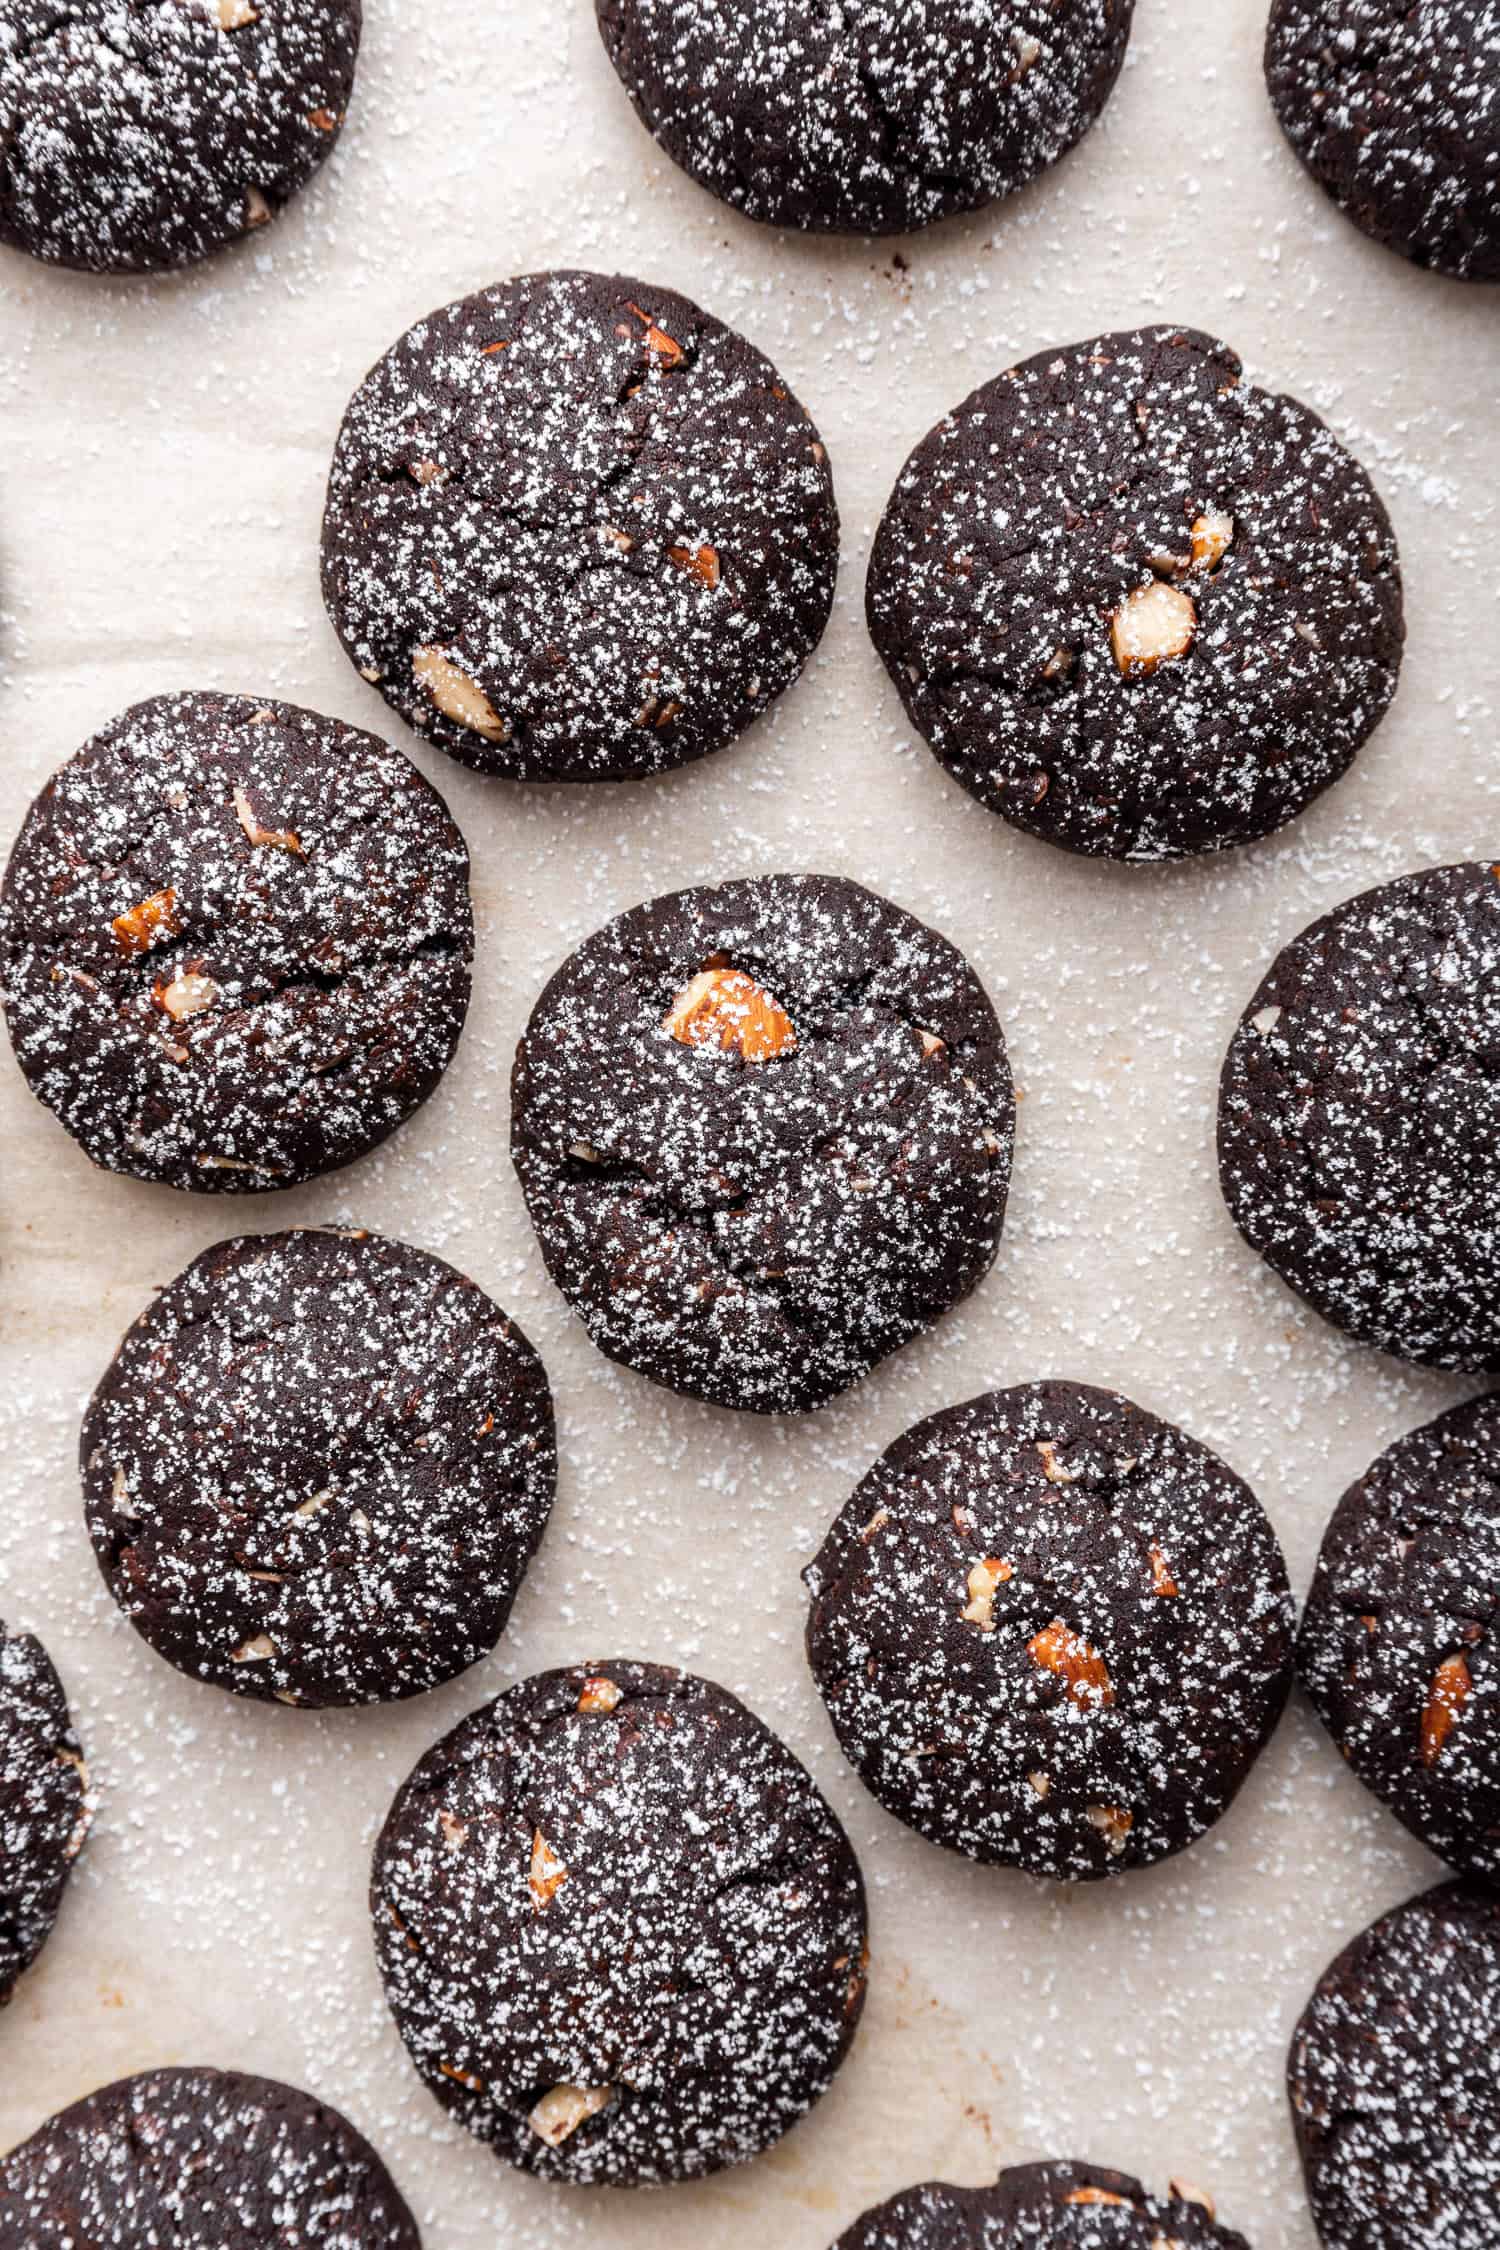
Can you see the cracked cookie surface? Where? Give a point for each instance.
(1135, 605)
(865, 118)
(764, 1132)
(1052, 1631)
(235, 940)
(1395, 1638)
(200, 2159)
(1054, 2206)
(1394, 107)
(621, 1931)
(1392, 2080)
(318, 1467)
(45, 1802)
(137, 135)
(578, 530)
(1359, 1116)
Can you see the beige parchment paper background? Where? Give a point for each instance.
(164, 448)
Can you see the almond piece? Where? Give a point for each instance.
(547, 1874)
(256, 1651)
(284, 839)
(323, 120)
(1093, 2195)
(599, 1694)
(233, 15)
(1056, 1648)
(726, 1008)
(1114, 1825)
(981, 1583)
(187, 995)
(1451, 1686)
(659, 344)
(1052, 1468)
(462, 2077)
(457, 696)
(1152, 625)
(1183, 2191)
(703, 562)
(257, 210)
(1162, 1581)
(560, 2112)
(1211, 536)
(138, 929)
(455, 1831)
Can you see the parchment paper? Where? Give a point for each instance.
(164, 449)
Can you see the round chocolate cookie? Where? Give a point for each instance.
(577, 529)
(1394, 107)
(1359, 1116)
(235, 942)
(621, 1932)
(1135, 605)
(142, 134)
(1057, 2206)
(1052, 1631)
(1393, 2084)
(197, 2159)
(318, 1467)
(869, 118)
(45, 1803)
(1394, 1643)
(764, 1132)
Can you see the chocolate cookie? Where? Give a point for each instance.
(200, 2160)
(577, 529)
(1057, 2206)
(1135, 605)
(622, 1934)
(139, 134)
(1394, 2094)
(318, 1467)
(764, 1132)
(45, 1803)
(1394, 1643)
(870, 118)
(1052, 1631)
(235, 941)
(1394, 107)
(1358, 1113)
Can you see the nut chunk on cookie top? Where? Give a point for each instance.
(577, 529)
(235, 941)
(621, 1932)
(1056, 2206)
(1052, 1631)
(1135, 605)
(46, 1805)
(1359, 1116)
(199, 2159)
(764, 1133)
(135, 137)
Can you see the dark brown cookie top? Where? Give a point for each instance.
(1052, 1631)
(318, 1467)
(1056, 2206)
(621, 1931)
(1395, 1639)
(577, 529)
(1394, 107)
(1135, 605)
(1392, 2080)
(142, 134)
(870, 118)
(199, 2159)
(764, 1131)
(46, 1805)
(1359, 1116)
(235, 940)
